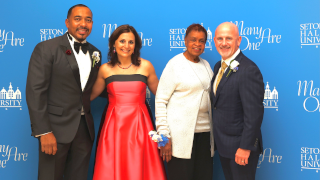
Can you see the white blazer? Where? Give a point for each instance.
(177, 105)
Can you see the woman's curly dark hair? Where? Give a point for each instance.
(196, 27)
(135, 57)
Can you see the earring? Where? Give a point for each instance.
(114, 50)
(133, 52)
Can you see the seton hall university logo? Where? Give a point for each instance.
(270, 97)
(177, 38)
(10, 98)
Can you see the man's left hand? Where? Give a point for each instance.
(242, 156)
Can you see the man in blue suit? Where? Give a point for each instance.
(237, 95)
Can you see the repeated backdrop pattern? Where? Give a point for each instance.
(281, 37)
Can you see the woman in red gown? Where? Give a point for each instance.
(124, 149)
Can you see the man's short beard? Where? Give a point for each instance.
(82, 39)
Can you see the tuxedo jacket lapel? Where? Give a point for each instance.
(90, 53)
(91, 66)
(65, 45)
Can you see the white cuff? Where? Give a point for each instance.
(42, 134)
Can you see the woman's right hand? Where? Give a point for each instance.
(166, 151)
(100, 83)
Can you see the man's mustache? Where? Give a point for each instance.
(224, 47)
(81, 28)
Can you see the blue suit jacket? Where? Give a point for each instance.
(238, 108)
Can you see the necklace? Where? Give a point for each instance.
(196, 60)
(124, 67)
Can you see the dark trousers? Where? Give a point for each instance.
(199, 167)
(234, 171)
(71, 161)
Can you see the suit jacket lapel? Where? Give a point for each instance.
(216, 70)
(65, 45)
(224, 79)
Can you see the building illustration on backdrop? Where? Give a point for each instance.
(10, 94)
(270, 97)
(209, 38)
(268, 94)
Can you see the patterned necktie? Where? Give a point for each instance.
(223, 68)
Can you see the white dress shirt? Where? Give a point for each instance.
(84, 62)
(227, 61)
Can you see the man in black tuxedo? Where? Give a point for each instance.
(237, 101)
(61, 74)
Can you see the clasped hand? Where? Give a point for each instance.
(166, 151)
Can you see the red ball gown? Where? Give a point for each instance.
(125, 151)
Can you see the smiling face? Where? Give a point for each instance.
(195, 43)
(79, 23)
(125, 44)
(227, 39)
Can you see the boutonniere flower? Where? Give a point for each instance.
(95, 58)
(233, 66)
(68, 52)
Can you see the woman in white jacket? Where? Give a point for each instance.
(183, 111)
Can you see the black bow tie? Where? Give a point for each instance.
(84, 47)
